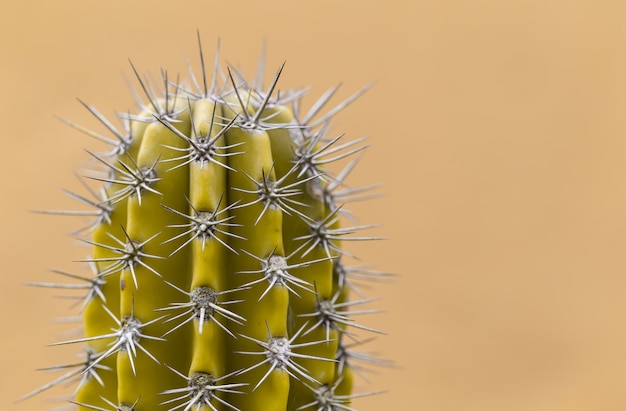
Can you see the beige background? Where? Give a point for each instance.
(498, 129)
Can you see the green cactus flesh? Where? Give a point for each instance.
(217, 250)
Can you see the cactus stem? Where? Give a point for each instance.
(227, 200)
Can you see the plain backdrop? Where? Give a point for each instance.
(497, 129)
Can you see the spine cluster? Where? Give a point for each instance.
(220, 277)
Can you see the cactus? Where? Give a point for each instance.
(217, 254)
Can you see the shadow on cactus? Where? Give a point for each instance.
(218, 252)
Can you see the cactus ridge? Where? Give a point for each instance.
(218, 252)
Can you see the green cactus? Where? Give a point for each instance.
(219, 280)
